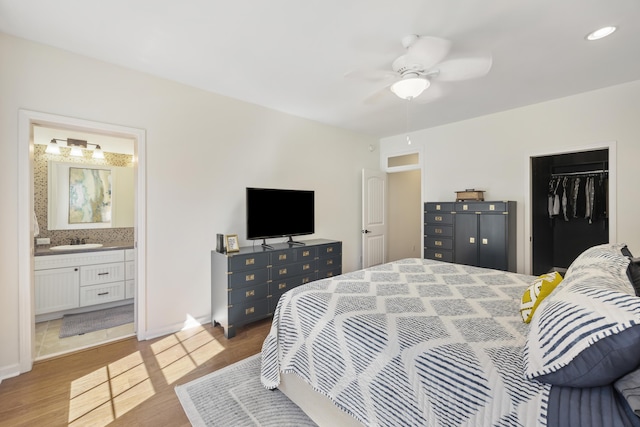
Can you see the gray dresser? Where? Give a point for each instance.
(246, 285)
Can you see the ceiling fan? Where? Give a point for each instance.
(425, 61)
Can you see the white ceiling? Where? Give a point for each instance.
(292, 55)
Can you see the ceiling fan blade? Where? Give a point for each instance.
(371, 75)
(381, 95)
(428, 50)
(463, 68)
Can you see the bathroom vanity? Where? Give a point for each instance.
(77, 281)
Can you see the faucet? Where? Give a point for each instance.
(77, 241)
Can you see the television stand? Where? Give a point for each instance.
(293, 242)
(265, 245)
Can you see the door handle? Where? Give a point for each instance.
(366, 231)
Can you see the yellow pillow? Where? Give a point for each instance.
(538, 291)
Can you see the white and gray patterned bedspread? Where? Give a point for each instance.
(413, 342)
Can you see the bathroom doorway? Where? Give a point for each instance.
(82, 313)
(35, 133)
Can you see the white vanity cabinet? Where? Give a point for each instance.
(68, 281)
(57, 289)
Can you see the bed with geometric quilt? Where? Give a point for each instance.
(420, 342)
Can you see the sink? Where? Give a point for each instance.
(76, 247)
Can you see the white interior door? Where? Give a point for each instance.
(374, 218)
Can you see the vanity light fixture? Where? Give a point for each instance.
(77, 145)
(600, 33)
(97, 153)
(52, 147)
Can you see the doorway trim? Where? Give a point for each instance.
(26, 308)
(528, 231)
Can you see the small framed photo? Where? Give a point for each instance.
(232, 243)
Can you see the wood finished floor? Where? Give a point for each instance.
(126, 383)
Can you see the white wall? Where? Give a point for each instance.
(490, 152)
(202, 151)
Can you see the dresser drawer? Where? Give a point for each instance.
(438, 230)
(438, 218)
(438, 255)
(98, 294)
(242, 279)
(329, 250)
(481, 207)
(248, 261)
(329, 273)
(305, 253)
(239, 314)
(330, 263)
(439, 207)
(282, 258)
(283, 271)
(438, 243)
(248, 294)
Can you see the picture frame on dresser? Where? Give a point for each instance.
(232, 242)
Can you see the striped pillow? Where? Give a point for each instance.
(587, 332)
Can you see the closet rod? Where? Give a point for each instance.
(593, 172)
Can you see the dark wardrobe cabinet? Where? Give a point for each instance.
(485, 234)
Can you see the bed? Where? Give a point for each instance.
(427, 343)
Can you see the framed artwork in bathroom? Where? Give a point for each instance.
(232, 243)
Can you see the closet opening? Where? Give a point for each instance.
(570, 207)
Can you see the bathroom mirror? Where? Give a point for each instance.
(89, 196)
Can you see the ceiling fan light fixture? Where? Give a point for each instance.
(601, 33)
(409, 88)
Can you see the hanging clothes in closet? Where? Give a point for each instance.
(578, 195)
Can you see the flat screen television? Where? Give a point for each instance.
(273, 213)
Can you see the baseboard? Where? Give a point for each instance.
(9, 371)
(176, 327)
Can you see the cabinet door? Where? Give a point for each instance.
(466, 239)
(57, 289)
(493, 241)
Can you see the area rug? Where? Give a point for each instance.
(234, 396)
(82, 323)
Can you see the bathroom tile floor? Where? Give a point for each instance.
(49, 344)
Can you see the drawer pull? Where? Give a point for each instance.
(103, 274)
(438, 230)
(306, 267)
(492, 207)
(282, 271)
(329, 249)
(472, 239)
(329, 262)
(249, 310)
(306, 253)
(438, 255)
(249, 261)
(282, 285)
(438, 243)
(465, 207)
(250, 277)
(438, 218)
(250, 293)
(282, 257)
(330, 274)
(485, 241)
(103, 293)
(305, 280)
(437, 207)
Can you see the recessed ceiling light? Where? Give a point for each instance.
(601, 33)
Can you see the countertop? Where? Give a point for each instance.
(44, 250)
